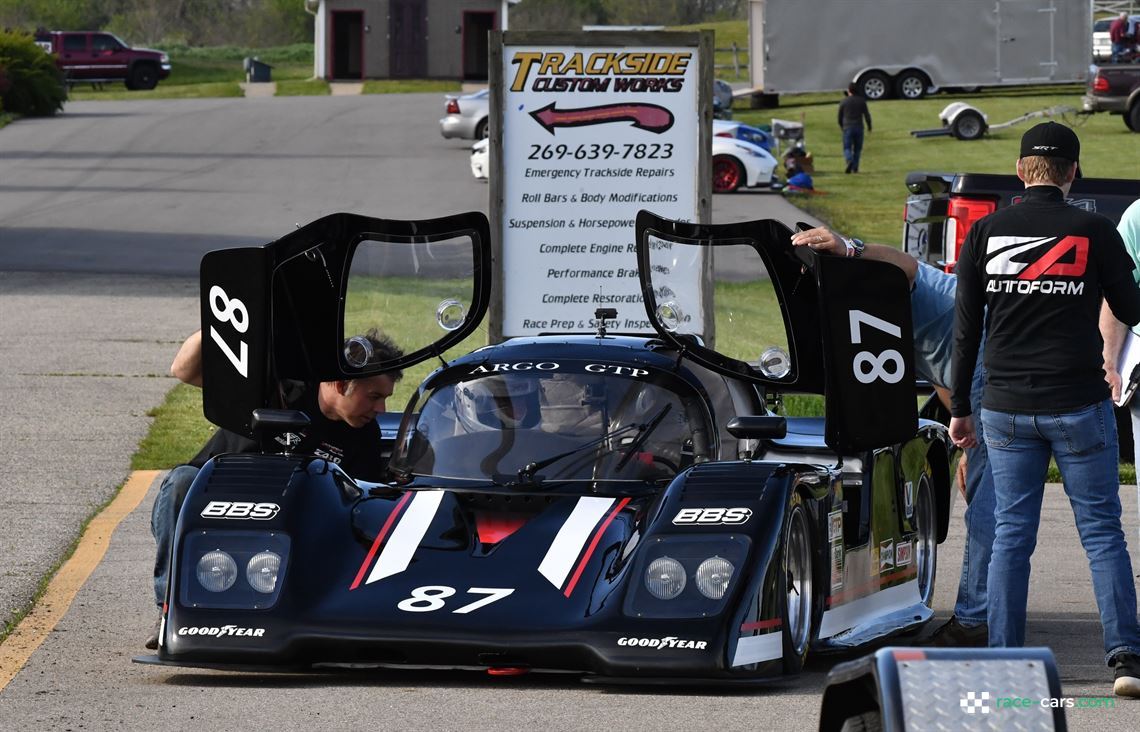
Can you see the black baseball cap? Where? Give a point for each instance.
(1051, 140)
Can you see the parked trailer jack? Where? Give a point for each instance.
(967, 122)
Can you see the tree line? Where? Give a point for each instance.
(261, 23)
(253, 23)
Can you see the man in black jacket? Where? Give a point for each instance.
(1035, 273)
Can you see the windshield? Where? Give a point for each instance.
(556, 422)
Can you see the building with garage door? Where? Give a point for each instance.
(404, 39)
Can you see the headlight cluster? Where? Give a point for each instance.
(217, 571)
(665, 577)
(233, 569)
(685, 576)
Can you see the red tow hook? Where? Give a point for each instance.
(508, 670)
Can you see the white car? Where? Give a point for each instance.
(735, 164)
(480, 159)
(740, 164)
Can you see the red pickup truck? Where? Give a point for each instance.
(97, 57)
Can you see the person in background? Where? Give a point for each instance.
(852, 111)
(1114, 332)
(932, 315)
(1118, 34)
(342, 430)
(1033, 276)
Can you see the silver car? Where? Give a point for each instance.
(467, 116)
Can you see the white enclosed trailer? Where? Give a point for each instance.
(909, 48)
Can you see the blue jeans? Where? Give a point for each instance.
(971, 606)
(163, 519)
(1084, 444)
(852, 146)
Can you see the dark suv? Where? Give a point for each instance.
(97, 57)
(1115, 88)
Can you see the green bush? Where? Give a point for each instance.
(34, 83)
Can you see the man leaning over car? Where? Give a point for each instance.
(932, 311)
(342, 428)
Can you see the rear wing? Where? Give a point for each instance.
(297, 308)
(848, 325)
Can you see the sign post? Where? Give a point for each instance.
(588, 128)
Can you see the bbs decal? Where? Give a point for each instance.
(712, 516)
(240, 510)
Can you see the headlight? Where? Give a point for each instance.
(261, 572)
(713, 576)
(665, 578)
(690, 575)
(232, 569)
(217, 571)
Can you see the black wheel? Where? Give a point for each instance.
(875, 85)
(926, 539)
(911, 85)
(969, 125)
(865, 722)
(798, 585)
(728, 174)
(143, 76)
(482, 130)
(1132, 117)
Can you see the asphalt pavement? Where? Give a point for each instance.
(104, 214)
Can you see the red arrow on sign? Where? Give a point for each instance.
(649, 117)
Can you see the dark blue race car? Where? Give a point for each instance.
(615, 506)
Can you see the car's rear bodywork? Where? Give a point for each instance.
(611, 505)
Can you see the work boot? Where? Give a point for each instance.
(953, 634)
(152, 639)
(1127, 675)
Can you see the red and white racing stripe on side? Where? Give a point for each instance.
(581, 526)
(410, 526)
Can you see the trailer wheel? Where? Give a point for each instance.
(968, 125)
(911, 84)
(875, 85)
(1132, 117)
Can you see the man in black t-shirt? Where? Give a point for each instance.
(1034, 275)
(852, 111)
(342, 429)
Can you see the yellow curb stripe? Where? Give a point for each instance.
(18, 647)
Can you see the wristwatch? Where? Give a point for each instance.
(855, 247)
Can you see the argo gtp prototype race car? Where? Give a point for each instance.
(614, 506)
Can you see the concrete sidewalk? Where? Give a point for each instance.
(269, 88)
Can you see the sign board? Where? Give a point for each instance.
(588, 128)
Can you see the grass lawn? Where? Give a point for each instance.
(870, 204)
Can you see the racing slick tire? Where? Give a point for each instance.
(926, 538)
(874, 85)
(865, 722)
(797, 585)
(728, 174)
(911, 84)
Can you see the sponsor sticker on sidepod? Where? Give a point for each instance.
(663, 643)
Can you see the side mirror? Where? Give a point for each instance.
(270, 423)
(758, 428)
